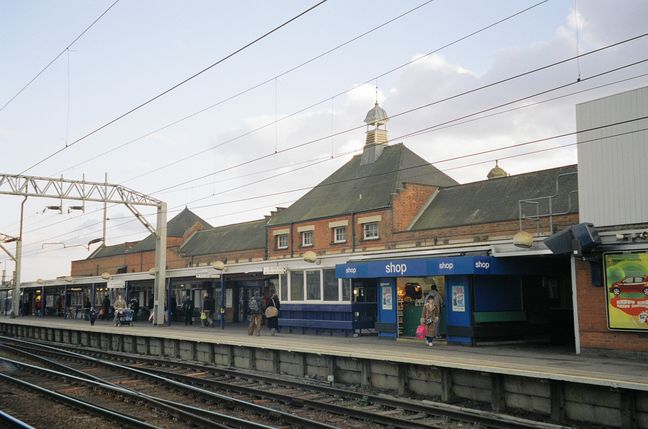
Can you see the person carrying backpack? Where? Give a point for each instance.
(255, 309)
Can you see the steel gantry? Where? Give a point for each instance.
(102, 192)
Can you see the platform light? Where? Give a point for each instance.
(40, 281)
(153, 271)
(105, 276)
(310, 256)
(523, 239)
(68, 279)
(218, 265)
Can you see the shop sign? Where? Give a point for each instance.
(116, 284)
(271, 271)
(626, 289)
(458, 299)
(207, 273)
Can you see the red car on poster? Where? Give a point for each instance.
(630, 284)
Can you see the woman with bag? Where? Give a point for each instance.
(429, 319)
(272, 312)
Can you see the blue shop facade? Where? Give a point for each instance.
(485, 298)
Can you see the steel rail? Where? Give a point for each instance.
(178, 413)
(13, 422)
(235, 421)
(259, 409)
(78, 403)
(488, 419)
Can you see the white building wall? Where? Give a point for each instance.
(613, 168)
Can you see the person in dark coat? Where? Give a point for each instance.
(188, 308)
(105, 306)
(273, 322)
(207, 311)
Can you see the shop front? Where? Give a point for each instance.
(481, 297)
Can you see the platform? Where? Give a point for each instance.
(532, 361)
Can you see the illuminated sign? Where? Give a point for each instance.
(626, 289)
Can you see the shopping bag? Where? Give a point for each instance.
(203, 315)
(420, 332)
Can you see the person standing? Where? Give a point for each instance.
(120, 306)
(430, 319)
(207, 310)
(105, 306)
(272, 312)
(438, 301)
(188, 307)
(255, 309)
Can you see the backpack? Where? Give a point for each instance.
(253, 305)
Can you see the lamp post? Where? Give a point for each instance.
(16, 286)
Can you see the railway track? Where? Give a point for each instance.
(337, 407)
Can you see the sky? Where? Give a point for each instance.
(303, 122)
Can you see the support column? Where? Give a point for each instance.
(577, 345)
(160, 263)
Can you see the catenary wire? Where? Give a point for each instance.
(16, 95)
(177, 85)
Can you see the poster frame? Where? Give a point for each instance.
(607, 294)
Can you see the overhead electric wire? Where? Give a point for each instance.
(301, 110)
(454, 158)
(57, 56)
(414, 109)
(431, 128)
(177, 85)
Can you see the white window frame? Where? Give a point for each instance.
(305, 288)
(279, 238)
(367, 225)
(335, 234)
(305, 234)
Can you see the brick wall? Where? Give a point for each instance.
(323, 236)
(592, 318)
(408, 202)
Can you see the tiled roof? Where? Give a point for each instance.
(228, 238)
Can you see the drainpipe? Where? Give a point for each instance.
(290, 234)
(577, 345)
(265, 249)
(353, 233)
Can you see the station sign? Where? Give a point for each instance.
(274, 270)
(116, 284)
(207, 273)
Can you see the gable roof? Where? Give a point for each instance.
(107, 251)
(176, 227)
(227, 238)
(497, 199)
(356, 188)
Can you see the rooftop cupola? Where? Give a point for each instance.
(496, 172)
(376, 139)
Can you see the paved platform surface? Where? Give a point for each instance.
(538, 361)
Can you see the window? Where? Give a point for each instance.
(296, 285)
(282, 241)
(370, 231)
(313, 285)
(307, 238)
(283, 279)
(346, 289)
(331, 286)
(339, 234)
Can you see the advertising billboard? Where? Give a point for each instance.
(626, 289)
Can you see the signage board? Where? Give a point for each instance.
(626, 290)
(387, 296)
(207, 273)
(116, 284)
(458, 299)
(274, 270)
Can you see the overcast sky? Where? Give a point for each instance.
(140, 48)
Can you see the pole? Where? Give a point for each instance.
(16, 287)
(105, 210)
(577, 344)
(222, 302)
(160, 264)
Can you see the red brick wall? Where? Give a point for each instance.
(408, 202)
(323, 236)
(592, 318)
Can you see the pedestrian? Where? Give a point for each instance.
(188, 308)
(93, 316)
(438, 301)
(207, 311)
(120, 305)
(86, 308)
(430, 318)
(105, 307)
(272, 312)
(255, 309)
